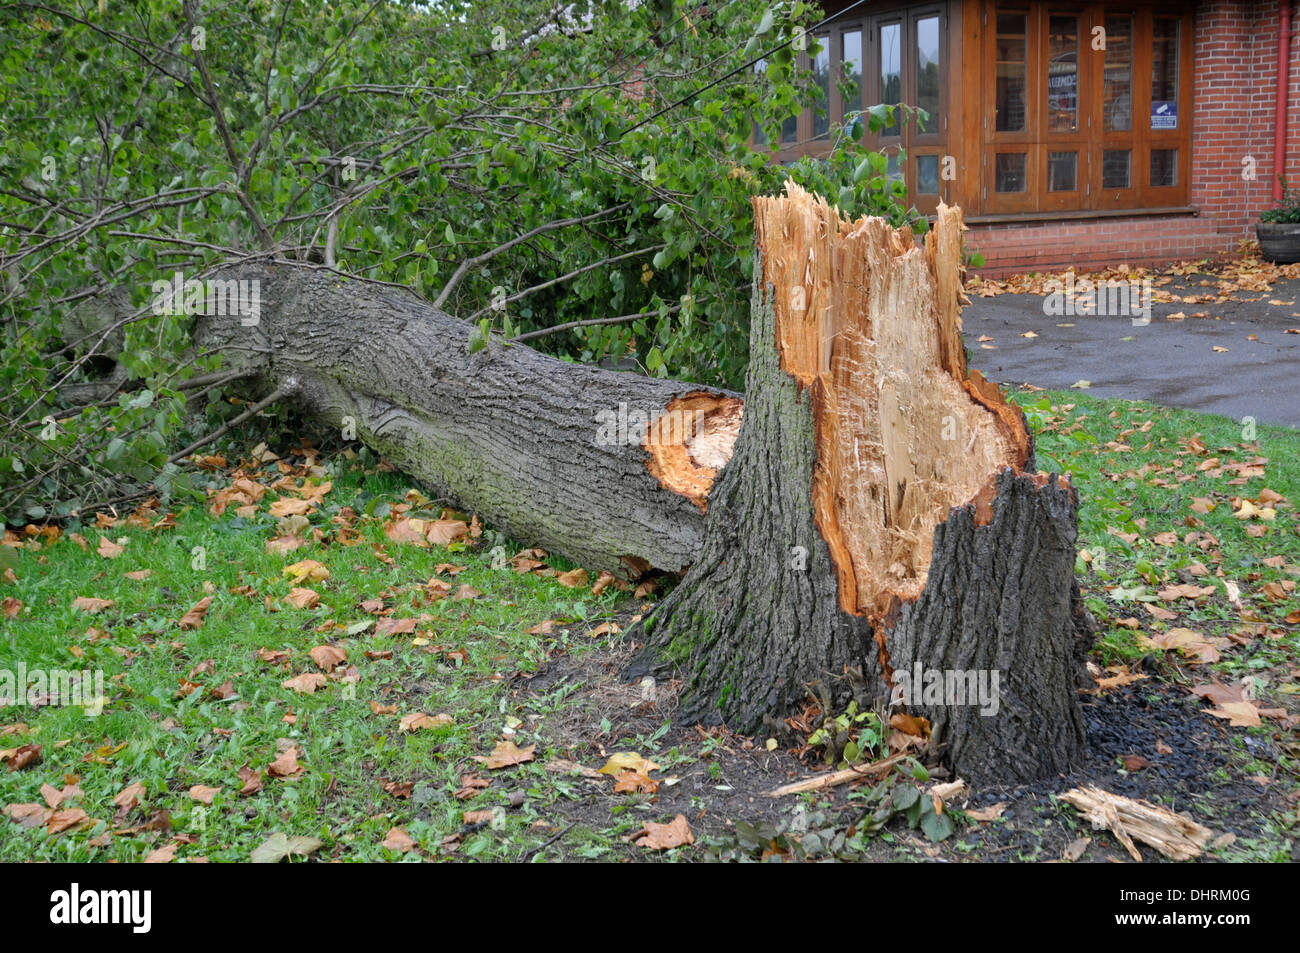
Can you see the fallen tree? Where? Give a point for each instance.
(878, 518)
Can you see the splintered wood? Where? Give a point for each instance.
(691, 440)
(1174, 835)
(869, 323)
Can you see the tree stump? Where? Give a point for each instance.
(881, 530)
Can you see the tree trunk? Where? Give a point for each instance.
(554, 454)
(881, 522)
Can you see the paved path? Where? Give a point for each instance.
(1166, 362)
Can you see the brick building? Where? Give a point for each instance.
(1071, 133)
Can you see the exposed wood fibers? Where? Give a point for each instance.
(869, 323)
(691, 440)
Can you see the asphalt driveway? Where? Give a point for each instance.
(1171, 362)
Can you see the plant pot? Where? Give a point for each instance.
(1279, 243)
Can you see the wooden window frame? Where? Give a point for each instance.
(1090, 140)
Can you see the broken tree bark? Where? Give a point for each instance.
(553, 454)
(881, 522)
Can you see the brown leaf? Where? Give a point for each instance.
(507, 754)
(419, 721)
(1219, 693)
(301, 598)
(128, 799)
(162, 855)
(398, 840)
(23, 756)
(194, 618)
(666, 836)
(394, 626)
(285, 766)
(56, 797)
(379, 709)
(399, 788)
(203, 794)
(109, 549)
(252, 781)
(1239, 714)
(12, 607)
(466, 592)
(442, 532)
(573, 579)
(990, 813)
(272, 656)
(290, 507)
(629, 782)
(328, 657)
(471, 785)
(306, 683)
(27, 815)
(61, 821)
(1135, 762)
(91, 604)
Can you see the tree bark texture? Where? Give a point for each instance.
(550, 453)
(881, 518)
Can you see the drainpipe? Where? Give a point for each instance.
(1283, 89)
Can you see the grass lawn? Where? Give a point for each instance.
(208, 743)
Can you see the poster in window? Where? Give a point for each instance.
(1164, 114)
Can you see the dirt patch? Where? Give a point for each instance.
(1189, 764)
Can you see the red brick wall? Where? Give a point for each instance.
(1235, 72)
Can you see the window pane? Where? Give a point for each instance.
(1063, 74)
(1010, 80)
(1062, 171)
(927, 70)
(821, 110)
(1117, 84)
(1009, 172)
(852, 72)
(1164, 167)
(790, 130)
(891, 70)
(1164, 74)
(893, 168)
(1116, 168)
(927, 175)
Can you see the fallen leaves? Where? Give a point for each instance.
(419, 721)
(203, 793)
(301, 598)
(676, 833)
(91, 605)
(306, 683)
(328, 657)
(506, 754)
(307, 570)
(23, 756)
(1189, 643)
(194, 618)
(398, 840)
(286, 765)
(279, 846)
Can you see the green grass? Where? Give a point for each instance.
(460, 660)
(147, 733)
